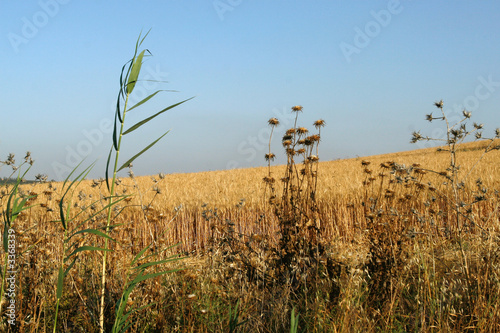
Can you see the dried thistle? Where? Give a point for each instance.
(319, 123)
(273, 122)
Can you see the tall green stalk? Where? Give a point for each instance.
(128, 79)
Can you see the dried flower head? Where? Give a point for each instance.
(439, 104)
(273, 122)
(302, 130)
(416, 136)
(290, 131)
(270, 157)
(314, 137)
(308, 141)
(365, 163)
(466, 114)
(319, 123)
(268, 180)
(297, 108)
(41, 178)
(10, 160)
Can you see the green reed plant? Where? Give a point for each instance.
(234, 321)
(71, 243)
(294, 321)
(14, 206)
(135, 275)
(128, 80)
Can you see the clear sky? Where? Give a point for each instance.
(370, 69)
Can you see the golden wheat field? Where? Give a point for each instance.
(239, 195)
(215, 217)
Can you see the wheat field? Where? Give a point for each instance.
(201, 211)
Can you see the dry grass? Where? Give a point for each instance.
(224, 204)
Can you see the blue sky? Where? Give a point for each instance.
(371, 70)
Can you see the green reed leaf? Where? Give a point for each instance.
(86, 248)
(134, 73)
(60, 280)
(144, 100)
(92, 231)
(126, 164)
(139, 124)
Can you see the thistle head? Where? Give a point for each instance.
(302, 130)
(270, 157)
(273, 122)
(319, 123)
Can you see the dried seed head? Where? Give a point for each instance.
(10, 160)
(466, 114)
(290, 131)
(385, 165)
(287, 137)
(365, 163)
(269, 180)
(313, 158)
(287, 143)
(439, 104)
(319, 123)
(301, 151)
(315, 137)
(416, 136)
(420, 171)
(273, 122)
(297, 108)
(302, 130)
(308, 141)
(270, 157)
